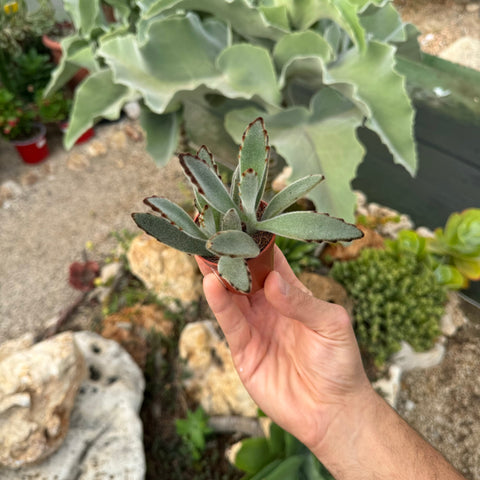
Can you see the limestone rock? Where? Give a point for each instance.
(38, 386)
(131, 326)
(170, 274)
(465, 51)
(453, 318)
(213, 382)
(327, 289)
(389, 387)
(104, 440)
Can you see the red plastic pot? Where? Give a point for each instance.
(34, 149)
(87, 135)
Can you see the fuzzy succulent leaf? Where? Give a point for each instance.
(235, 186)
(231, 220)
(289, 195)
(175, 214)
(310, 226)
(161, 229)
(207, 182)
(248, 192)
(205, 155)
(233, 243)
(236, 273)
(254, 153)
(207, 220)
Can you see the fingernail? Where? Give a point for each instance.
(283, 286)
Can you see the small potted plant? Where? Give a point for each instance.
(234, 231)
(18, 125)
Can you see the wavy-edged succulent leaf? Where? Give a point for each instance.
(158, 71)
(245, 18)
(97, 96)
(207, 182)
(122, 9)
(86, 15)
(310, 226)
(384, 23)
(319, 140)
(276, 16)
(77, 53)
(378, 97)
(176, 215)
(248, 190)
(248, 71)
(161, 229)
(236, 273)
(233, 243)
(231, 220)
(162, 133)
(290, 194)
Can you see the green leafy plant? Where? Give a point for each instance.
(315, 71)
(300, 255)
(54, 108)
(457, 246)
(193, 431)
(17, 119)
(229, 219)
(396, 298)
(277, 457)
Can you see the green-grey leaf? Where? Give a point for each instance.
(204, 154)
(85, 14)
(379, 97)
(97, 96)
(208, 221)
(236, 273)
(233, 243)
(207, 182)
(310, 226)
(162, 134)
(175, 214)
(290, 194)
(384, 23)
(165, 232)
(231, 220)
(248, 189)
(254, 149)
(321, 140)
(248, 71)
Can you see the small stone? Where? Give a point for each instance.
(472, 7)
(133, 132)
(389, 387)
(95, 148)
(212, 380)
(408, 359)
(77, 162)
(169, 273)
(38, 387)
(9, 190)
(327, 289)
(110, 271)
(132, 109)
(29, 178)
(118, 140)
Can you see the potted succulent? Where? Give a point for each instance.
(235, 229)
(18, 125)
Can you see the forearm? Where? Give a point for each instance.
(374, 442)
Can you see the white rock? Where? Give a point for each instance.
(132, 110)
(389, 386)
(38, 386)
(453, 318)
(213, 380)
(408, 359)
(104, 440)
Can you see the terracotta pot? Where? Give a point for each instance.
(87, 135)
(56, 51)
(34, 149)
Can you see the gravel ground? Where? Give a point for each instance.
(66, 201)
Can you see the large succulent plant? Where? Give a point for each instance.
(229, 218)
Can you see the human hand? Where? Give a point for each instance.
(296, 355)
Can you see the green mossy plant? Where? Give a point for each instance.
(396, 298)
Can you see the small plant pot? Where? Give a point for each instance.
(34, 149)
(87, 135)
(259, 268)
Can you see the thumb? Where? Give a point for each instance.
(327, 319)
